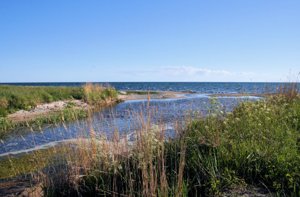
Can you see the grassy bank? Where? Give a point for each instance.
(14, 98)
(257, 145)
(65, 115)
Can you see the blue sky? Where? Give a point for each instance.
(110, 40)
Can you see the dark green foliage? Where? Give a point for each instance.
(258, 143)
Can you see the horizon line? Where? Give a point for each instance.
(147, 82)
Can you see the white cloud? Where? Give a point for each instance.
(190, 73)
(193, 71)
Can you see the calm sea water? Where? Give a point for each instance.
(200, 87)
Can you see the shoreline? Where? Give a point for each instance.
(47, 110)
(145, 95)
(44, 110)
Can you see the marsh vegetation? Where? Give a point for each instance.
(257, 145)
(27, 98)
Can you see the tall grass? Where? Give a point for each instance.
(119, 166)
(98, 95)
(13, 98)
(257, 144)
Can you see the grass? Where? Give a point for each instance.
(14, 98)
(98, 95)
(65, 115)
(257, 144)
(13, 166)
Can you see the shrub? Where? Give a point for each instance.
(96, 94)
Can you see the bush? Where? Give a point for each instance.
(96, 95)
(257, 143)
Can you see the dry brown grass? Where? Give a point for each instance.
(289, 91)
(140, 163)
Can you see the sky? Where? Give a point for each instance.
(149, 40)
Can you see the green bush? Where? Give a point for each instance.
(257, 143)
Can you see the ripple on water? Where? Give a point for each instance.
(124, 117)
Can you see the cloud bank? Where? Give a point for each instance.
(190, 73)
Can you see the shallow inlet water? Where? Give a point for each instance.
(124, 117)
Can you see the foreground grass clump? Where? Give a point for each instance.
(37, 161)
(258, 144)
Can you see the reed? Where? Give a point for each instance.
(14, 98)
(257, 144)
